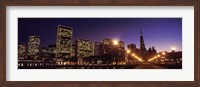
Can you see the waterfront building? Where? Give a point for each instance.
(33, 45)
(64, 41)
(22, 51)
(84, 48)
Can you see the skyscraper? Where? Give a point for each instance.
(64, 41)
(33, 45)
(143, 50)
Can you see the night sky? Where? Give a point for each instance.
(162, 33)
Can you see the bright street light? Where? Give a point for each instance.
(128, 51)
(133, 54)
(115, 42)
(163, 53)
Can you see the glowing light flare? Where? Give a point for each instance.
(115, 42)
(154, 58)
(138, 58)
(163, 53)
(133, 54)
(128, 51)
(173, 48)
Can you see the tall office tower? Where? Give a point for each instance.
(33, 45)
(64, 41)
(84, 48)
(143, 50)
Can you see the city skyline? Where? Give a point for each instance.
(124, 29)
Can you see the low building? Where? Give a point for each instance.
(97, 46)
(84, 48)
(22, 51)
(52, 50)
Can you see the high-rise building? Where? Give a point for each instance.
(64, 41)
(84, 48)
(33, 45)
(143, 50)
(22, 50)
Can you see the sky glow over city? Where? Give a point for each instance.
(164, 34)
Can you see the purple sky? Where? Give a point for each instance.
(162, 33)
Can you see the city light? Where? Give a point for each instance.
(136, 57)
(139, 59)
(157, 56)
(173, 48)
(163, 53)
(154, 58)
(128, 51)
(133, 54)
(68, 51)
(115, 42)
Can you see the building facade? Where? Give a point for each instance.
(106, 46)
(64, 41)
(22, 51)
(33, 45)
(84, 48)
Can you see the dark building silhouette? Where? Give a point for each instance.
(151, 52)
(52, 50)
(97, 46)
(143, 50)
(133, 48)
